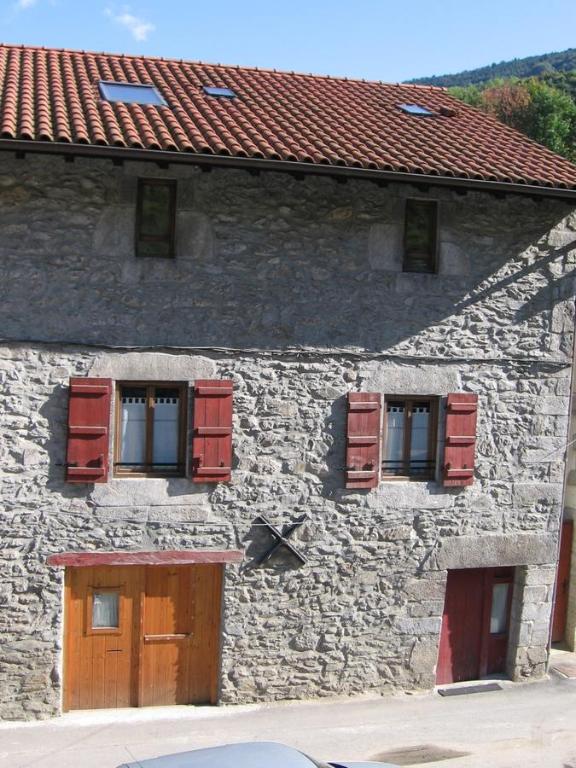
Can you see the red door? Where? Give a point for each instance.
(562, 580)
(474, 636)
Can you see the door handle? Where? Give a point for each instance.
(178, 636)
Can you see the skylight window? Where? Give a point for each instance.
(221, 93)
(131, 93)
(415, 109)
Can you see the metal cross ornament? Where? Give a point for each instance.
(281, 539)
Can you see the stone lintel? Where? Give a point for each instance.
(497, 550)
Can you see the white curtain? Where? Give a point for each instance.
(104, 609)
(419, 437)
(394, 435)
(133, 439)
(165, 448)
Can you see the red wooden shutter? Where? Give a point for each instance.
(88, 430)
(363, 440)
(461, 413)
(212, 430)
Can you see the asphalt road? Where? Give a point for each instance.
(520, 726)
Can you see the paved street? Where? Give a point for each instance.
(533, 726)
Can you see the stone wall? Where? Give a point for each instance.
(294, 290)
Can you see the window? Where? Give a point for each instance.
(155, 218)
(409, 449)
(105, 610)
(131, 93)
(416, 109)
(150, 429)
(221, 93)
(420, 236)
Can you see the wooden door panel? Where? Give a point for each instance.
(100, 662)
(167, 635)
(205, 655)
(459, 652)
(562, 582)
(499, 585)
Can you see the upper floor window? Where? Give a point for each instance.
(420, 236)
(150, 429)
(156, 217)
(409, 449)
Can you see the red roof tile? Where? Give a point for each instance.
(52, 95)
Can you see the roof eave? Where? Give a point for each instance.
(285, 166)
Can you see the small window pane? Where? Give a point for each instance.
(166, 418)
(225, 93)
(105, 614)
(393, 458)
(419, 458)
(133, 426)
(499, 613)
(416, 109)
(420, 236)
(131, 93)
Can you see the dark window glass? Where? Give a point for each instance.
(409, 439)
(420, 236)
(223, 93)
(155, 218)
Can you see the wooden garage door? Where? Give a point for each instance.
(142, 635)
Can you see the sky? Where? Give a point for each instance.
(389, 40)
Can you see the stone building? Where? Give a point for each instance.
(285, 367)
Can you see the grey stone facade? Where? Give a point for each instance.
(294, 289)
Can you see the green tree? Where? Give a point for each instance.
(543, 112)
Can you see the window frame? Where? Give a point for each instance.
(138, 236)
(433, 235)
(180, 471)
(433, 401)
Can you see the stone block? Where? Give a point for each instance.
(490, 551)
(418, 626)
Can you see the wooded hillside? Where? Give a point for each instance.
(532, 66)
(536, 95)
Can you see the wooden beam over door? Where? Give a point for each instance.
(178, 557)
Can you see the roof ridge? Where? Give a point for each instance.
(244, 68)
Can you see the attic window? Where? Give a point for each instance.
(221, 93)
(131, 93)
(415, 109)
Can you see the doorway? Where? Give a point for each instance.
(142, 635)
(562, 583)
(475, 624)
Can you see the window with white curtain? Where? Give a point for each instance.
(409, 448)
(150, 429)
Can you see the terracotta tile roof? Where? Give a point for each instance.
(52, 95)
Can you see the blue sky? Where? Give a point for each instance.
(377, 39)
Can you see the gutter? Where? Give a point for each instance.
(164, 157)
